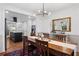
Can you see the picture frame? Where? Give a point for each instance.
(62, 24)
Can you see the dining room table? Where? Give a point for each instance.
(57, 46)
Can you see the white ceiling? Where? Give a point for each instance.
(20, 17)
(33, 7)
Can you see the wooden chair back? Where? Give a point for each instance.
(25, 45)
(43, 46)
(46, 35)
(61, 37)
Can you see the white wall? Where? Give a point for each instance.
(2, 28)
(38, 25)
(29, 23)
(43, 24)
(25, 28)
(73, 12)
(46, 25)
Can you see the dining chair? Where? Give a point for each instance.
(46, 35)
(60, 37)
(25, 45)
(28, 47)
(42, 47)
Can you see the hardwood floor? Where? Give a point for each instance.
(13, 45)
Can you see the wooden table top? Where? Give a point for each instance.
(58, 47)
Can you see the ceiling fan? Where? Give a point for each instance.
(43, 12)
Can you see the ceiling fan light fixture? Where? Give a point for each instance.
(43, 12)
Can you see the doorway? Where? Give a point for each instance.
(14, 30)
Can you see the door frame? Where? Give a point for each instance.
(5, 25)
